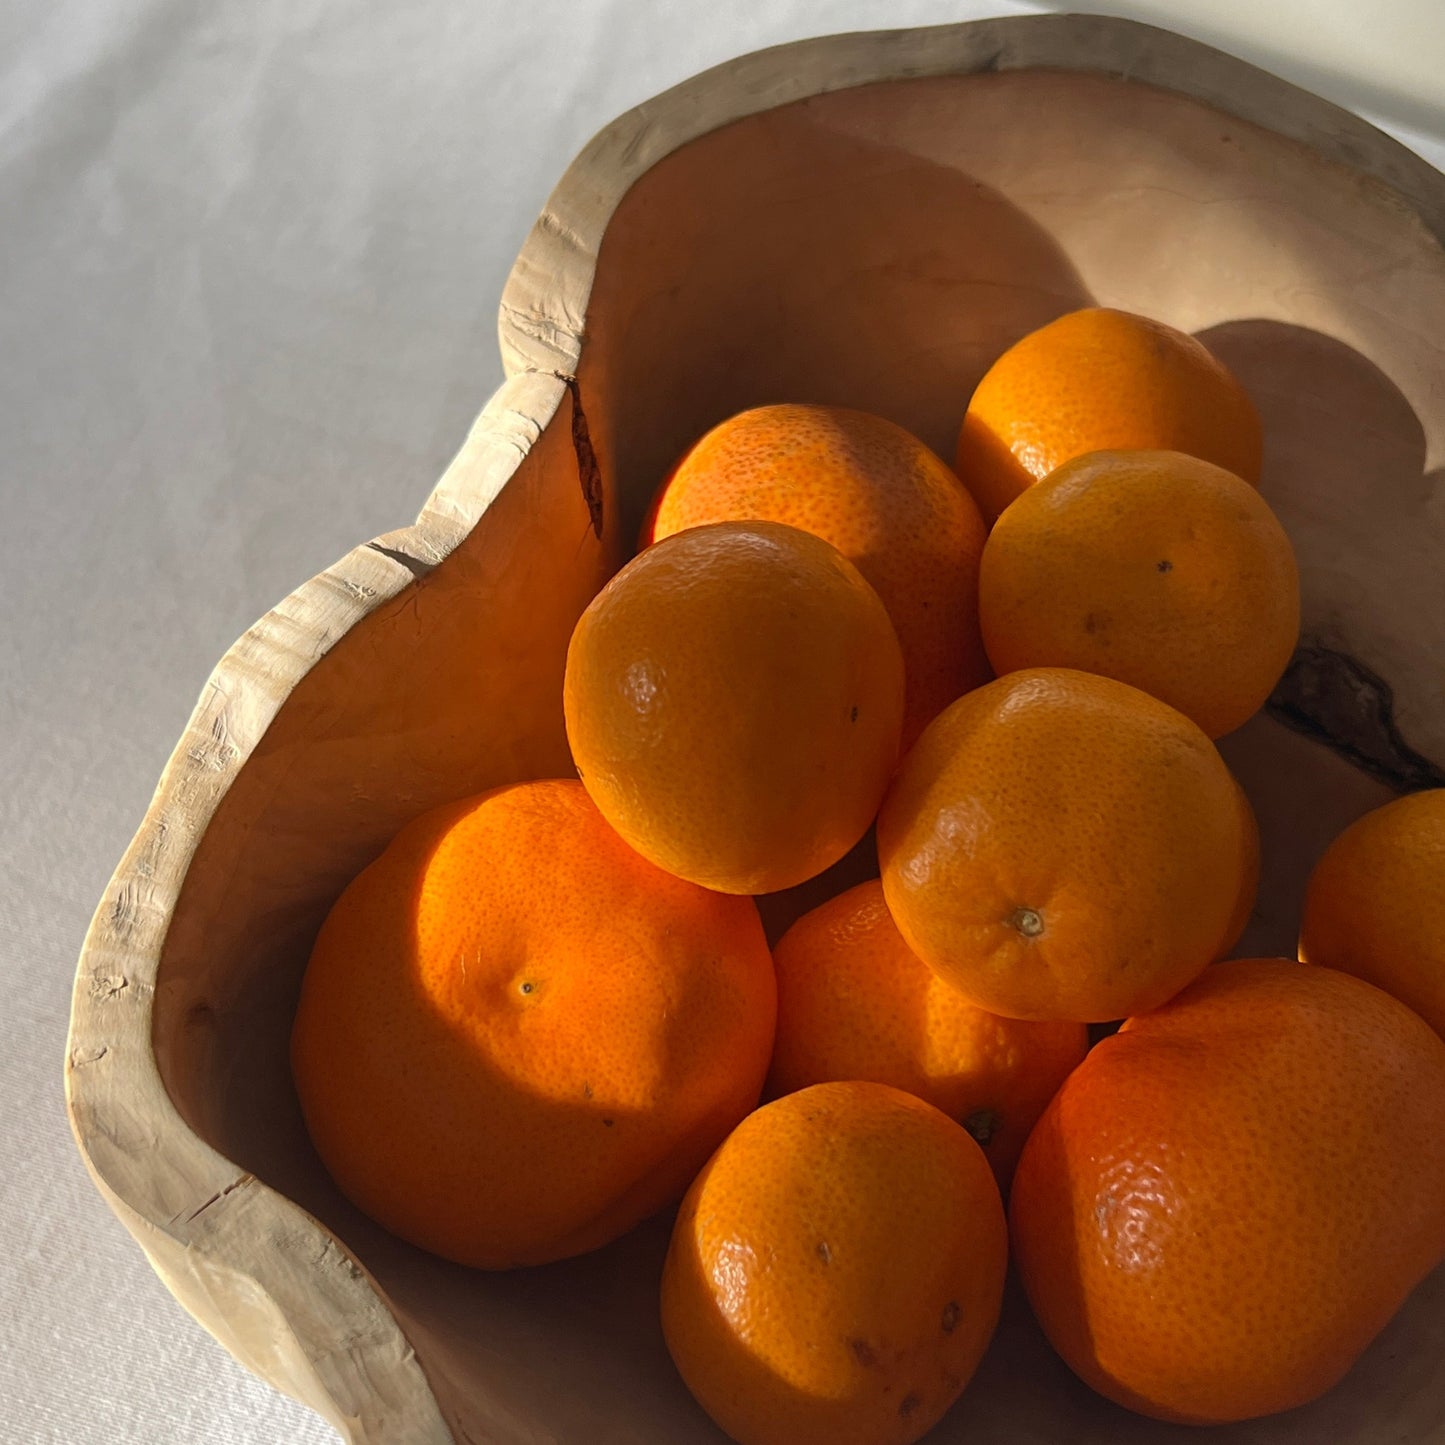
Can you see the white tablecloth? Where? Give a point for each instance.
(250, 256)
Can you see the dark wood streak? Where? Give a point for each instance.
(588, 472)
(1337, 700)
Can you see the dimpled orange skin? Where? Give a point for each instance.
(517, 1038)
(855, 1002)
(1155, 568)
(880, 496)
(1229, 1198)
(1375, 903)
(1063, 846)
(836, 1270)
(1101, 380)
(733, 700)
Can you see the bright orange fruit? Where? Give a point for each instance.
(733, 701)
(855, 1002)
(1229, 1198)
(1375, 903)
(1152, 567)
(881, 497)
(1059, 845)
(836, 1270)
(517, 1038)
(1101, 380)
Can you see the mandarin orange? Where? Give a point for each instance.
(1101, 380)
(733, 700)
(517, 1037)
(855, 1002)
(1059, 845)
(836, 1270)
(1152, 567)
(1229, 1198)
(1375, 903)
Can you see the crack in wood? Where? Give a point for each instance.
(1335, 699)
(216, 1198)
(588, 472)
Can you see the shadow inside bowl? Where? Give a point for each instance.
(792, 257)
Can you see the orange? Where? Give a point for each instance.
(1156, 568)
(1230, 1197)
(1101, 380)
(836, 1270)
(517, 1038)
(1063, 846)
(878, 495)
(733, 701)
(855, 1002)
(1375, 903)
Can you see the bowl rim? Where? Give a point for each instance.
(264, 1276)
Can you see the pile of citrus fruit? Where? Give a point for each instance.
(548, 1012)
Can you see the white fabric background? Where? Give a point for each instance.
(250, 256)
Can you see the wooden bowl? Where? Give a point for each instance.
(869, 220)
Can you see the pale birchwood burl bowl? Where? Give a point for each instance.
(867, 220)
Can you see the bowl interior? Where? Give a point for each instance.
(876, 247)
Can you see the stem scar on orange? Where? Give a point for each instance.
(1063, 846)
(517, 1038)
(855, 1002)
